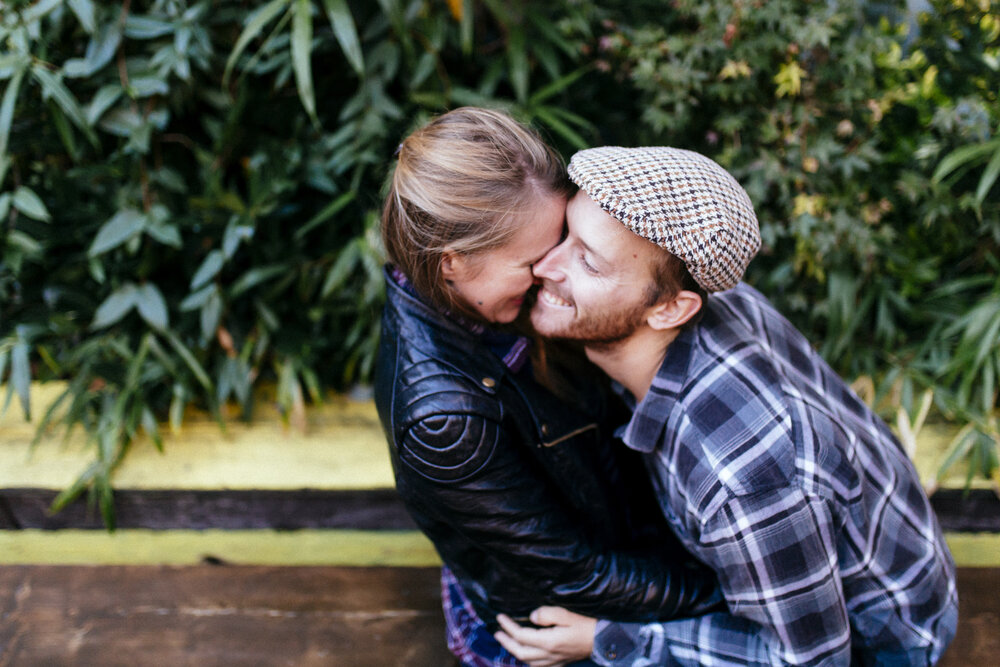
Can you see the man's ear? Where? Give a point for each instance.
(675, 313)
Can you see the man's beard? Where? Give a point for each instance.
(604, 329)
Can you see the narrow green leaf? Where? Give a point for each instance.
(152, 307)
(959, 157)
(40, 9)
(209, 268)
(340, 270)
(211, 313)
(26, 201)
(346, 33)
(146, 27)
(517, 61)
(328, 212)
(560, 128)
(302, 30)
(71, 493)
(256, 276)
(85, 14)
(557, 86)
(189, 359)
(259, 19)
(122, 226)
(20, 376)
(115, 307)
(989, 176)
(468, 14)
(53, 88)
(7, 117)
(197, 299)
(151, 428)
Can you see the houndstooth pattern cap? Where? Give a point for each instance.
(681, 201)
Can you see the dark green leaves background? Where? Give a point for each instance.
(189, 190)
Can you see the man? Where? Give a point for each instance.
(767, 466)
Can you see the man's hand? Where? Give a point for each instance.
(565, 637)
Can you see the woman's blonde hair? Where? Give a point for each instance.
(458, 183)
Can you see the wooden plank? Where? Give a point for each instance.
(205, 616)
(977, 641)
(181, 509)
(238, 547)
(360, 509)
(231, 616)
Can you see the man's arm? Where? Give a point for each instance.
(776, 558)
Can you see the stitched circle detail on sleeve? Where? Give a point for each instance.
(449, 448)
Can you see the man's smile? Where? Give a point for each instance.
(553, 299)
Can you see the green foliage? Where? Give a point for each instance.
(189, 190)
(860, 146)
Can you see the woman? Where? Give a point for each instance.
(521, 493)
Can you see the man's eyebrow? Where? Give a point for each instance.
(591, 251)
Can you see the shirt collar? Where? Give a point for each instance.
(644, 430)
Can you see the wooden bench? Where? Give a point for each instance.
(265, 546)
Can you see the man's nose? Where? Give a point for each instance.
(549, 267)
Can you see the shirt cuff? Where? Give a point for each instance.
(615, 644)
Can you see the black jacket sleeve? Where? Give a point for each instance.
(480, 491)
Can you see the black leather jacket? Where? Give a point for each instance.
(522, 495)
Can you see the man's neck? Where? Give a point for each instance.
(634, 362)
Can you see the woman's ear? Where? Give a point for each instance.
(675, 313)
(452, 265)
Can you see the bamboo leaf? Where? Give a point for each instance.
(53, 88)
(115, 307)
(259, 19)
(152, 307)
(302, 30)
(254, 277)
(122, 226)
(189, 359)
(20, 376)
(85, 14)
(328, 212)
(340, 270)
(7, 117)
(557, 86)
(989, 176)
(209, 268)
(958, 158)
(517, 61)
(346, 33)
(26, 201)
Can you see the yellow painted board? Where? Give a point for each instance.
(341, 448)
(349, 548)
(237, 547)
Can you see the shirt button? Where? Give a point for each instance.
(545, 429)
(489, 383)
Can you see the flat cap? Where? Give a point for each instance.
(681, 201)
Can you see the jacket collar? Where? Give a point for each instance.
(431, 332)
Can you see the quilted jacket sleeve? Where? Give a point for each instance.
(471, 475)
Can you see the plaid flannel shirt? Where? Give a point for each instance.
(776, 475)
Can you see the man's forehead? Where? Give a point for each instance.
(601, 232)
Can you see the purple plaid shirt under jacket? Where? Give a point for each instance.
(777, 476)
